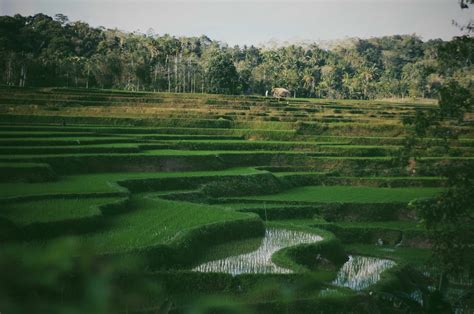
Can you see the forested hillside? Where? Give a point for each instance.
(38, 51)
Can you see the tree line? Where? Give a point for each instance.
(39, 51)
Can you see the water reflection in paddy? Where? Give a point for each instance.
(259, 261)
(359, 272)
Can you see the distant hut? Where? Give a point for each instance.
(280, 92)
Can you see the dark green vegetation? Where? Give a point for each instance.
(39, 51)
(125, 193)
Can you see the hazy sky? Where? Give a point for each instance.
(258, 21)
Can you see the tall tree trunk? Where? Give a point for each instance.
(20, 83)
(129, 76)
(23, 75)
(59, 73)
(88, 73)
(176, 73)
(75, 75)
(443, 283)
(9, 72)
(190, 82)
(202, 83)
(168, 70)
(184, 77)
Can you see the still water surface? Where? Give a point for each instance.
(358, 273)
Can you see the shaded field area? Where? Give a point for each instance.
(246, 198)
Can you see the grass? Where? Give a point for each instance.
(416, 256)
(174, 152)
(152, 131)
(52, 210)
(127, 130)
(73, 139)
(386, 178)
(47, 134)
(232, 248)
(66, 185)
(153, 152)
(237, 206)
(102, 146)
(152, 221)
(104, 182)
(260, 142)
(20, 165)
(66, 149)
(394, 225)
(348, 194)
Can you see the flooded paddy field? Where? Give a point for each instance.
(260, 260)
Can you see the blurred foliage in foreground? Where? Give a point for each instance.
(64, 278)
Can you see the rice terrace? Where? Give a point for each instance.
(124, 194)
(221, 193)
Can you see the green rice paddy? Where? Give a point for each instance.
(345, 194)
(198, 190)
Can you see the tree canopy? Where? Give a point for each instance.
(41, 50)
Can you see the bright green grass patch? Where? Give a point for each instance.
(348, 194)
(153, 221)
(26, 213)
(104, 182)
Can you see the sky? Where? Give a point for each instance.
(256, 22)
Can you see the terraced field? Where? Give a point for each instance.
(223, 195)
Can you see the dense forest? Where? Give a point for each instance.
(40, 50)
